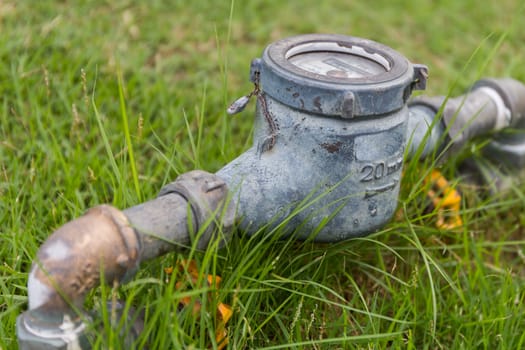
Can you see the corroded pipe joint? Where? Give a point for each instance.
(110, 243)
(70, 262)
(207, 195)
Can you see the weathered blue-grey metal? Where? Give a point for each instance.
(492, 107)
(329, 140)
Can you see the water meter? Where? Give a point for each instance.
(331, 127)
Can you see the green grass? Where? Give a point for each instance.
(107, 101)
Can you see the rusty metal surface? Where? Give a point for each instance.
(326, 161)
(70, 262)
(109, 243)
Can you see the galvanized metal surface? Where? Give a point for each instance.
(208, 198)
(492, 105)
(508, 146)
(320, 168)
(425, 133)
(329, 138)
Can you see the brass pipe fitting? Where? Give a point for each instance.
(70, 262)
(68, 265)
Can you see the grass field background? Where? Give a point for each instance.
(410, 285)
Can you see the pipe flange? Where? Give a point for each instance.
(207, 195)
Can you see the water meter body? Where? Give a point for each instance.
(330, 134)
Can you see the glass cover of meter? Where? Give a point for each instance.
(337, 64)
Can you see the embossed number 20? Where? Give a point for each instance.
(371, 172)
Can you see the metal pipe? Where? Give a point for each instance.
(109, 243)
(425, 132)
(192, 210)
(68, 265)
(491, 105)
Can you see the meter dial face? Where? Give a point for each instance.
(337, 64)
(332, 60)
